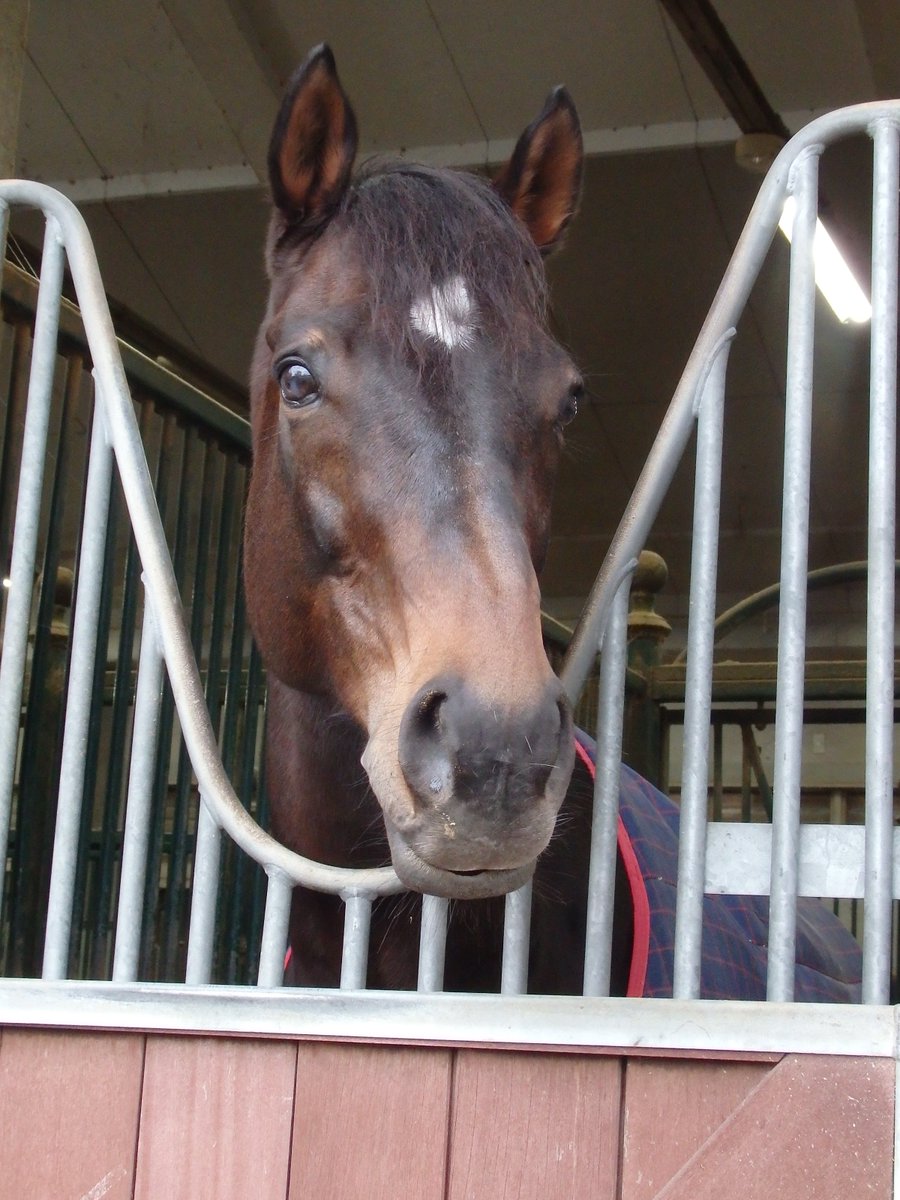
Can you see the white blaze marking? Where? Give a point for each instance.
(445, 315)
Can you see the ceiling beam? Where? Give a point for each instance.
(710, 43)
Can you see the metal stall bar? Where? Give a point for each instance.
(698, 682)
(28, 515)
(516, 940)
(432, 943)
(604, 824)
(89, 586)
(880, 599)
(138, 813)
(794, 554)
(275, 930)
(204, 894)
(357, 920)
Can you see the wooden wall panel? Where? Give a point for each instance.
(671, 1108)
(534, 1127)
(370, 1123)
(814, 1129)
(69, 1105)
(215, 1119)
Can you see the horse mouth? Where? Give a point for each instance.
(421, 876)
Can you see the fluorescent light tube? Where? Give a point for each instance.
(834, 279)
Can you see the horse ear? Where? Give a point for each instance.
(313, 143)
(542, 181)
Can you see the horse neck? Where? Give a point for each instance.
(320, 800)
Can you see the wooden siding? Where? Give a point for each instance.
(113, 1116)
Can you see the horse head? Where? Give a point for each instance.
(408, 406)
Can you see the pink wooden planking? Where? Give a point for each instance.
(814, 1128)
(672, 1107)
(69, 1104)
(534, 1126)
(370, 1123)
(216, 1119)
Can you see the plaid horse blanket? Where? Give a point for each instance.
(735, 928)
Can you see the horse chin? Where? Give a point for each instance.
(421, 876)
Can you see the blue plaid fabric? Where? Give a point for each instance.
(735, 928)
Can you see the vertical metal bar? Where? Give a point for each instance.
(792, 611)
(181, 808)
(604, 827)
(432, 943)
(138, 813)
(89, 582)
(39, 769)
(718, 770)
(204, 894)
(85, 909)
(108, 851)
(355, 958)
(16, 410)
(275, 931)
(4, 229)
(698, 680)
(242, 881)
(178, 857)
(880, 602)
(164, 495)
(516, 939)
(28, 513)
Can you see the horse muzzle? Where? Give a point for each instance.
(478, 790)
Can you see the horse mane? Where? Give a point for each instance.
(415, 227)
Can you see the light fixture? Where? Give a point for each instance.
(834, 279)
(7, 583)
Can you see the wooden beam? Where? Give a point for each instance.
(710, 43)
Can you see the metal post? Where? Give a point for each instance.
(880, 603)
(28, 515)
(604, 825)
(138, 813)
(432, 943)
(698, 680)
(792, 613)
(204, 893)
(355, 959)
(516, 939)
(275, 931)
(89, 586)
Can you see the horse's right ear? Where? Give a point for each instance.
(313, 144)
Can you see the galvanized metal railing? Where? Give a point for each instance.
(700, 393)
(194, 447)
(698, 403)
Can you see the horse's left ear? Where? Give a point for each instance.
(313, 144)
(542, 181)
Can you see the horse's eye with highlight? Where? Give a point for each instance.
(568, 410)
(299, 387)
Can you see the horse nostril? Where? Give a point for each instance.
(428, 712)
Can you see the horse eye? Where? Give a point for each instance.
(568, 410)
(299, 387)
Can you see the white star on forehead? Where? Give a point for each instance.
(445, 314)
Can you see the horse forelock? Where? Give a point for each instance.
(422, 236)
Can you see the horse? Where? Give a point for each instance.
(408, 413)
(408, 408)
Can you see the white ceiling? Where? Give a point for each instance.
(155, 117)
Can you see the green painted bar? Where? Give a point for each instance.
(182, 836)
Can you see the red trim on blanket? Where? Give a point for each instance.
(640, 951)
